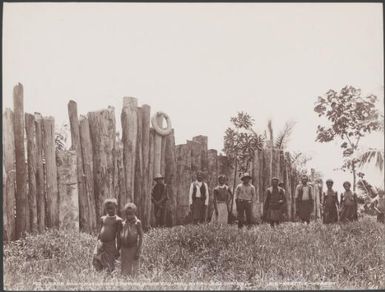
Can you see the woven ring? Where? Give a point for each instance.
(161, 131)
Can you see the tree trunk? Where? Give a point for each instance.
(212, 169)
(129, 136)
(170, 176)
(76, 146)
(51, 194)
(146, 184)
(68, 190)
(87, 159)
(21, 172)
(102, 132)
(184, 175)
(32, 165)
(149, 206)
(138, 179)
(354, 176)
(9, 162)
(40, 179)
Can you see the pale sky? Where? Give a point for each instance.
(199, 63)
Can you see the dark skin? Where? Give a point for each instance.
(109, 232)
(130, 216)
(199, 179)
(158, 203)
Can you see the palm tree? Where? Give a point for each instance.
(370, 155)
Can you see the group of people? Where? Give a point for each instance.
(123, 238)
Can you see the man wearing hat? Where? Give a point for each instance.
(198, 199)
(304, 200)
(274, 205)
(159, 198)
(330, 204)
(245, 195)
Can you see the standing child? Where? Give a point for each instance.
(106, 250)
(131, 237)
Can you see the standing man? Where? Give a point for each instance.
(304, 200)
(245, 195)
(330, 204)
(274, 205)
(198, 199)
(379, 206)
(159, 198)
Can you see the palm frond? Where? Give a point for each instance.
(284, 135)
(372, 154)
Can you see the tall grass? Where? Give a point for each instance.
(210, 257)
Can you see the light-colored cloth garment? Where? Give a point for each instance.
(198, 194)
(222, 214)
(306, 190)
(245, 192)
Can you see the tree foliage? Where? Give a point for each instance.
(351, 116)
(241, 141)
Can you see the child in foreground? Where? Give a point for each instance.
(106, 250)
(130, 238)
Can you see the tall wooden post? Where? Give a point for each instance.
(102, 132)
(68, 190)
(52, 194)
(32, 171)
(129, 135)
(149, 206)
(9, 162)
(87, 159)
(21, 171)
(184, 175)
(76, 146)
(40, 179)
(138, 179)
(171, 176)
(212, 179)
(146, 183)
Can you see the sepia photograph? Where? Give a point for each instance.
(193, 146)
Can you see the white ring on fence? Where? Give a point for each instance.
(161, 131)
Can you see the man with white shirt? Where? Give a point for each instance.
(304, 200)
(198, 199)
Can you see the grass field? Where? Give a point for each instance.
(291, 256)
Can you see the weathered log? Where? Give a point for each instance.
(121, 182)
(257, 180)
(288, 187)
(68, 190)
(129, 136)
(163, 156)
(51, 194)
(87, 159)
(171, 176)
(149, 206)
(76, 146)
(267, 162)
(184, 178)
(146, 183)
(9, 162)
(21, 170)
(40, 178)
(204, 152)
(158, 147)
(196, 161)
(212, 181)
(32, 165)
(102, 132)
(138, 179)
